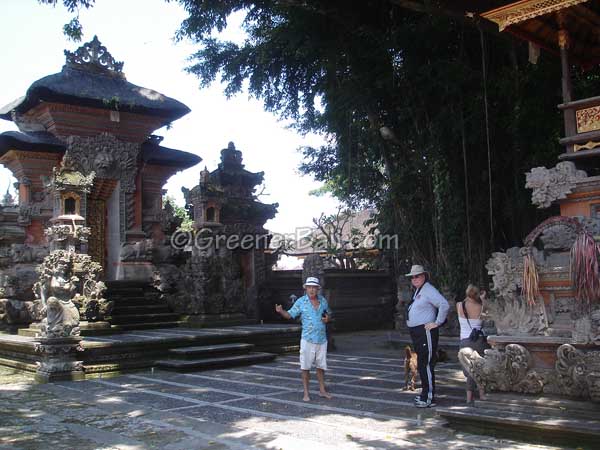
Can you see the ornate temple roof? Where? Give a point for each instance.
(530, 20)
(537, 21)
(31, 141)
(91, 77)
(152, 153)
(41, 141)
(231, 170)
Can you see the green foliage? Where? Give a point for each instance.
(179, 211)
(72, 30)
(71, 5)
(400, 97)
(338, 239)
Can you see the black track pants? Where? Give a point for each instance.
(425, 343)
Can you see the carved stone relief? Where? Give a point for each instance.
(578, 372)
(137, 251)
(552, 184)
(506, 270)
(502, 370)
(586, 328)
(513, 317)
(109, 158)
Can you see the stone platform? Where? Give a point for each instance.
(139, 349)
(254, 407)
(542, 419)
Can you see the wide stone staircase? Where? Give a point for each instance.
(187, 359)
(137, 306)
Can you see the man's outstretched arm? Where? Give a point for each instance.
(282, 312)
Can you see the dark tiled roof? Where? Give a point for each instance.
(32, 141)
(153, 153)
(86, 88)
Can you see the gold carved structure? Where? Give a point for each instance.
(527, 9)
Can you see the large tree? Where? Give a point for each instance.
(428, 117)
(401, 97)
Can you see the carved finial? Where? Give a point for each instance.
(94, 56)
(8, 199)
(230, 157)
(204, 176)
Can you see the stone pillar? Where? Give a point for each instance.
(58, 359)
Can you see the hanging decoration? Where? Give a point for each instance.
(584, 267)
(531, 282)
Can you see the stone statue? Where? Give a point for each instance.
(56, 289)
(15, 312)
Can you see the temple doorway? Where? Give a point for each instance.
(103, 218)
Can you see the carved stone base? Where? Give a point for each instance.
(512, 368)
(59, 359)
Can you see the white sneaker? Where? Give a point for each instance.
(421, 404)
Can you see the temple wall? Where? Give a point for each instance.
(359, 300)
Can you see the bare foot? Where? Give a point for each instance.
(306, 398)
(326, 395)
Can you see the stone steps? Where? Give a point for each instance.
(184, 365)
(137, 306)
(556, 421)
(129, 319)
(210, 350)
(184, 359)
(140, 309)
(148, 325)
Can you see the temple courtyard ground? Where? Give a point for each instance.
(241, 408)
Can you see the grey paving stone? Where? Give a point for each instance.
(152, 400)
(272, 407)
(257, 386)
(221, 415)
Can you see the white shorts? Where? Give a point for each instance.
(313, 354)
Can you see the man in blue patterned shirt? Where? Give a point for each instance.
(314, 313)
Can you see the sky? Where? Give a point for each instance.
(140, 33)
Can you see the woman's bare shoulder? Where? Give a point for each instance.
(459, 307)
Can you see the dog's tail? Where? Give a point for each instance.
(408, 351)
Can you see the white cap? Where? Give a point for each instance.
(312, 281)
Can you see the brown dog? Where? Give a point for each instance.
(410, 368)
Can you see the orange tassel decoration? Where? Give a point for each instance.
(531, 290)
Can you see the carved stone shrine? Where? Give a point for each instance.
(545, 301)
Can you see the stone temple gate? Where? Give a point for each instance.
(90, 172)
(90, 112)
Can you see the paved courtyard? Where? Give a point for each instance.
(250, 407)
